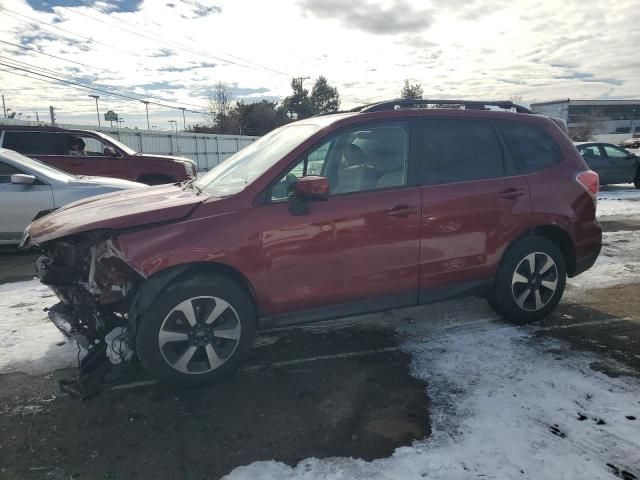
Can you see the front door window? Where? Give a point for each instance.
(356, 160)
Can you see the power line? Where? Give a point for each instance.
(49, 55)
(8, 12)
(54, 72)
(87, 87)
(251, 65)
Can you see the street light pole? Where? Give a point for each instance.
(4, 107)
(174, 123)
(97, 109)
(184, 121)
(146, 106)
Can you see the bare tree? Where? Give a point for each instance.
(220, 98)
(587, 125)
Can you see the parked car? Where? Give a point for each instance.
(409, 206)
(612, 163)
(85, 152)
(29, 188)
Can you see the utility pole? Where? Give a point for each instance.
(146, 106)
(53, 116)
(37, 118)
(184, 120)
(97, 110)
(4, 107)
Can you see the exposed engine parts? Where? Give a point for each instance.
(94, 285)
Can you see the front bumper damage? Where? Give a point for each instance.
(95, 284)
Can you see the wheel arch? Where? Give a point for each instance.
(150, 288)
(560, 237)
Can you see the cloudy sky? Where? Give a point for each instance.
(172, 51)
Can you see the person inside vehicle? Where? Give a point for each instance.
(76, 146)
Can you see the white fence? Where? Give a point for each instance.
(208, 150)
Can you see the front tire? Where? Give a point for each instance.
(198, 331)
(530, 281)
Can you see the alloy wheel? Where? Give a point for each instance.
(199, 335)
(534, 281)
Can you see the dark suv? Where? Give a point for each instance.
(390, 206)
(85, 152)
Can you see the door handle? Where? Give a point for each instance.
(74, 164)
(401, 211)
(512, 193)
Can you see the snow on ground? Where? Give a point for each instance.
(615, 200)
(618, 263)
(29, 342)
(505, 404)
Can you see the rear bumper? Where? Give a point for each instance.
(586, 262)
(588, 248)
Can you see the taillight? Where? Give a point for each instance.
(590, 181)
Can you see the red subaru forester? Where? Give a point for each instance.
(393, 205)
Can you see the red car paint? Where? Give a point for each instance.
(121, 162)
(410, 241)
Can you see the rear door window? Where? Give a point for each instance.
(458, 151)
(531, 147)
(615, 152)
(35, 142)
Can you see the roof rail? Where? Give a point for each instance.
(468, 104)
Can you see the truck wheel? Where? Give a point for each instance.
(197, 332)
(636, 181)
(530, 281)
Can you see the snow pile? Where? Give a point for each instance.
(504, 405)
(618, 202)
(29, 341)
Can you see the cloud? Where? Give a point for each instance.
(163, 53)
(365, 15)
(187, 69)
(199, 10)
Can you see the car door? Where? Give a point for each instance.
(356, 251)
(596, 159)
(20, 203)
(622, 165)
(472, 202)
(92, 159)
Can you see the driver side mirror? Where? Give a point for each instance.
(312, 187)
(110, 152)
(22, 179)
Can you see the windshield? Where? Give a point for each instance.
(234, 174)
(36, 167)
(116, 143)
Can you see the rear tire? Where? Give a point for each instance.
(198, 331)
(530, 281)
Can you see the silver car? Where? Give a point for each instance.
(29, 188)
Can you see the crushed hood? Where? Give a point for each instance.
(117, 210)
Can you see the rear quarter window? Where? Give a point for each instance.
(531, 147)
(35, 143)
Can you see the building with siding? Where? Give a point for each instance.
(607, 116)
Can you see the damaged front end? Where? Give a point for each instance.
(94, 284)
